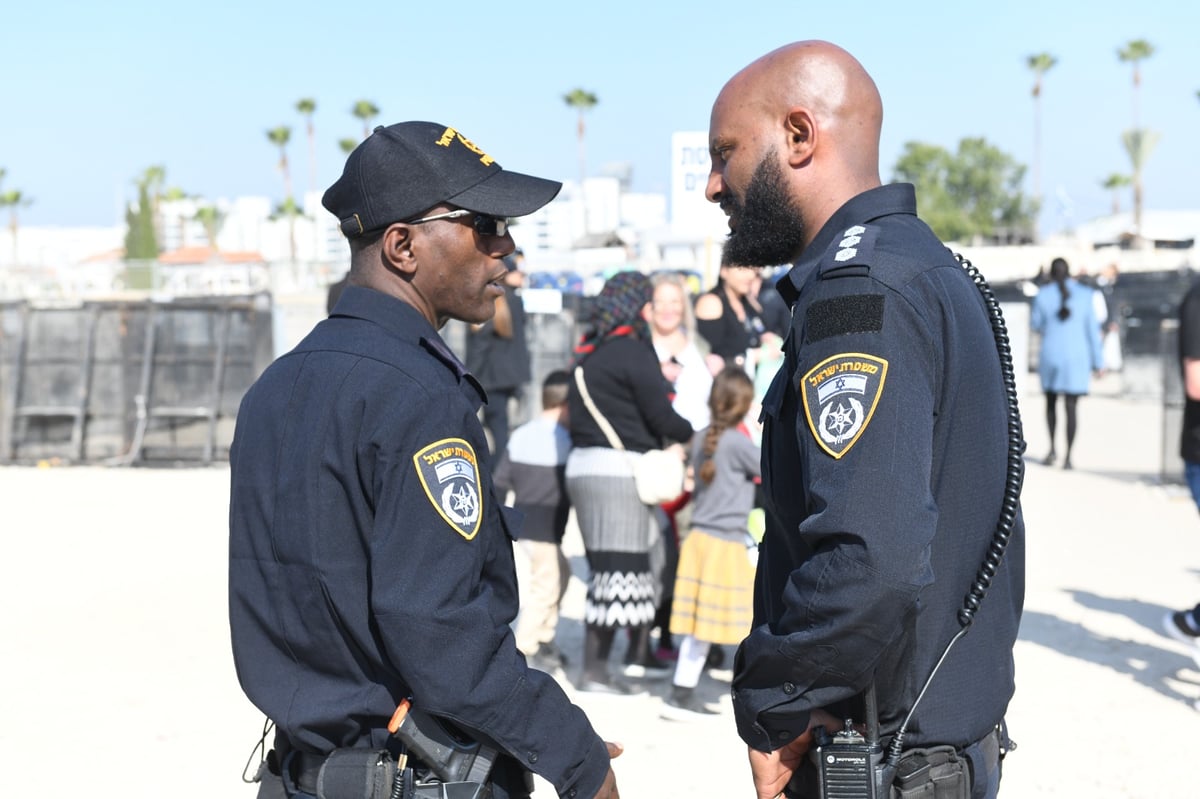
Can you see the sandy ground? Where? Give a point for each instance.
(118, 679)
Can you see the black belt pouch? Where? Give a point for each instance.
(356, 774)
(938, 772)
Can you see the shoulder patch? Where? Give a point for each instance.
(449, 473)
(840, 394)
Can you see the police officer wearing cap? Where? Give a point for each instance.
(370, 559)
(885, 440)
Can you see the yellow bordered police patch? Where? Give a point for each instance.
(449, 473)
(840, 394)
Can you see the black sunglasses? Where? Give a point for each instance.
(484, 225)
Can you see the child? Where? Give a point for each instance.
(713, 585)
(533, 467)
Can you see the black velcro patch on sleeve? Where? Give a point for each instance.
(839, 316)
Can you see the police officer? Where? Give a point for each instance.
(884, 448)
(370, 559)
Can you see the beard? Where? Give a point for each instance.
(770, 228)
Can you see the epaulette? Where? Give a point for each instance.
(852, 255)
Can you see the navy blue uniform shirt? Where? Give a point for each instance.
(884, 459)
(370, 558)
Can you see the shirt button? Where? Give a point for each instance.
(533, 757)
(571, 793)
(789, 688)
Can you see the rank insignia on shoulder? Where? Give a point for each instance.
(840, 394)
(449, 473)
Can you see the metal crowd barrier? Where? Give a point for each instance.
(127, 382)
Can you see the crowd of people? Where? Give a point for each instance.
(655, 364)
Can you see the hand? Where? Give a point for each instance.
(609, 789)
(772, 771)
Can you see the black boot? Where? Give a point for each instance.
(597, 644)
(639, 661)
(682, 705)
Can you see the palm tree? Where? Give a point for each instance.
(366, 111)
(279, 136)
(1114, 183)
(306, 106)
(582, 101)
(210, 218)
(1134, 52)
(1040, 63)
(347, 145)
(1138, 144)
(12, 200)
(153, 179)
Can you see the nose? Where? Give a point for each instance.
(714, 187)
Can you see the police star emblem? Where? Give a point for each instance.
(840, 394)
(449, 473)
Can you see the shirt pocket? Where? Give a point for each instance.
(512, 520)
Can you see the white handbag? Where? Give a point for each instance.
(657, 473)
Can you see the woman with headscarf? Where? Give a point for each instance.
(623, 379)
(1065, 314)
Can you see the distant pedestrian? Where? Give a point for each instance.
(1184, 625)
(1110, 329)
(680, 350)
(498, 355)
(1064, 312)
(334, 292)
(533, 467)
(730, 319)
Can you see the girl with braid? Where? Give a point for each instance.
(714, 582)
(1064, 312)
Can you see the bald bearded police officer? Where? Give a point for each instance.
(885, 441)
(370, 559)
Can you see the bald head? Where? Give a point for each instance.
(814, 105)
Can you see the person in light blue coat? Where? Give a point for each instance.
(1065, 314)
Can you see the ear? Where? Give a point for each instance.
(396, 249)
(647, 311)
(802, 136)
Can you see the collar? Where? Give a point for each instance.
(894, 198)
(402, 320)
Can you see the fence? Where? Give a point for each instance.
(127, 382)
(139, 382)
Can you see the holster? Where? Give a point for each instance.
(356, 774)
(937, 772)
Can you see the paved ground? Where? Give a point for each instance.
(118, 678)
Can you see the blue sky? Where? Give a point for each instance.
(93, 93)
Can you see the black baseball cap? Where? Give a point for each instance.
(402, 170)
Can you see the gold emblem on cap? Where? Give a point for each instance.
(451, 134)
